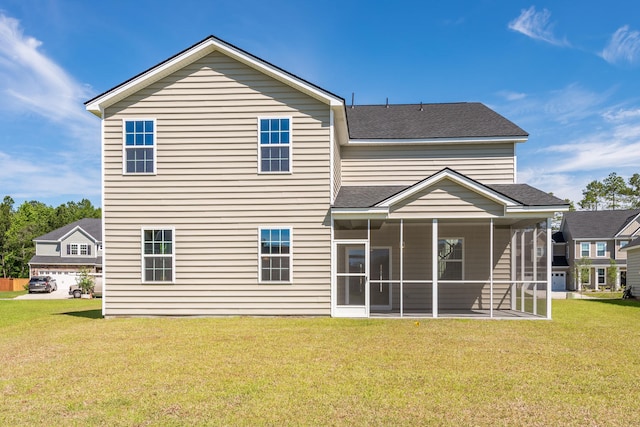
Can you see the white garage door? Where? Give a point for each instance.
(559, 282)
(64, 279)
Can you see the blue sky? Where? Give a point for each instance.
(568, 73)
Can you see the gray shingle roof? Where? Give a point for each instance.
(527, 195)
(410, 121)
(58, 260)
(93, 226)
(368, 196)
(597, 224)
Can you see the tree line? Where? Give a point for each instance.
(613, 192)
(19, 226)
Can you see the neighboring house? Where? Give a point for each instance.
(63, 252)
(594, 239)
(633, 266)
(232, 187)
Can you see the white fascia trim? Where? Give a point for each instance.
(360, 213)
(473, 140)
(76, 228)
(629, 223)
(526, 209)
(207, 46)
(331, 156)
(456, 178)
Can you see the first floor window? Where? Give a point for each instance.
(584, 250)
(158, 253)
(139, 144)
(275, 254)
(450, 259)
(601, 273)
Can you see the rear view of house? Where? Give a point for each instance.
(232, 187)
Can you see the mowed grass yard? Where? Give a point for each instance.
(63, 365)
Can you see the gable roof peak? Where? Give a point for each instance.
(200, 49)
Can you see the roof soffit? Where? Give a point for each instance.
(196, 52)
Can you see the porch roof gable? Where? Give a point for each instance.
(516, 198)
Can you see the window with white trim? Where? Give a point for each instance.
(450, 258)
(601, 249)
(601, 277)
(275, 255)
(274, 145)
(584, 249)
(78, 249)
(623, 243)
(157, 255)
(139, 146)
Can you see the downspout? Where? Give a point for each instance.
(549, 268)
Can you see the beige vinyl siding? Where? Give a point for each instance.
(633, 271)
(446, 199)
(408, 164)
(631, 229)
(208, 188)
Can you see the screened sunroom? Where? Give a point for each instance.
(396, 258)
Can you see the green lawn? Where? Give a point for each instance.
(62, 365)
(11, 294)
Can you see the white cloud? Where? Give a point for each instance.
(624, 46)
(38, 95)
(34, 83)
(621, 114)
(536, 25)
(512, 96)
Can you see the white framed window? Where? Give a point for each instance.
(451, 258)
(78, 249)
(139, 145)
(274, 145)
(275, 254)
(601, 276)
(601, 249)
(158, 260)
(623, 243)
(584, 249)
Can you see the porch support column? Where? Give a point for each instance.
(434, 267)
(491, 267)
(401, 268)
(549, 258)
(534, 258)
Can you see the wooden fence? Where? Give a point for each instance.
(13, 284)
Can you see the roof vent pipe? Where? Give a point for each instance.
(421, 109)
(387, 106)
(353, 97)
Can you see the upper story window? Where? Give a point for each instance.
(623, 243)
(139, 146)
(601, 248)
(78, 249)
(584, 249)
(275, 145)
(450, 259)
